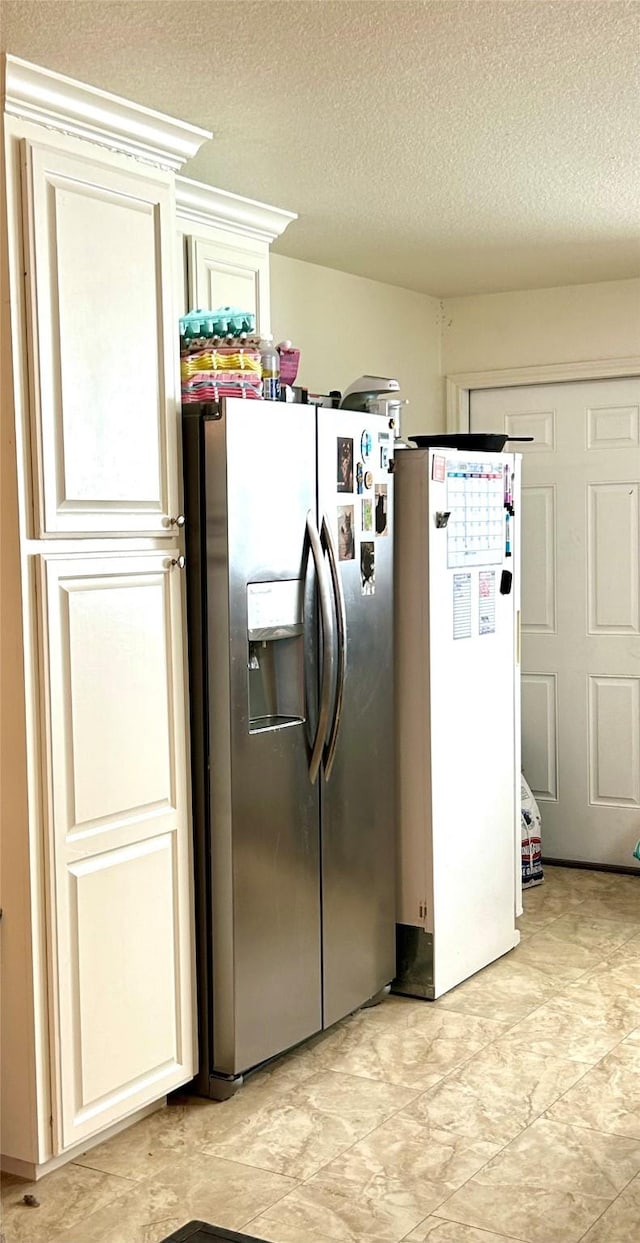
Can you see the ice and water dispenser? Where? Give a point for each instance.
(275, 658)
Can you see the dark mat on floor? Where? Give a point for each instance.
(200, 1232)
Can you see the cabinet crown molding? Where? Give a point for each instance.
(61, 103)
(203, 204)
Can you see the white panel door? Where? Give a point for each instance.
(230, 271)
(580, 608)
(119, 837)
(100, 275)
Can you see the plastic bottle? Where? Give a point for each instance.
(289, 363)
(270, 360)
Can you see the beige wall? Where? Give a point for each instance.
(347, 326)
(576, 323)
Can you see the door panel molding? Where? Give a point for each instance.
(539, 589)
(614, 754)
(540, 747)
(532, 424)
(613, 583)
(117, 834)
(613, 427)
(460, 384)
(104, 416)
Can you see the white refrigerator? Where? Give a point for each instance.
(457, 639)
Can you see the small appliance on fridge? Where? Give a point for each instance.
(457, 713)
(289, 525)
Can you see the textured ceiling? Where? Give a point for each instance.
(451, 147)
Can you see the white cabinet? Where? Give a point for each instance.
(118, 832)
(97, 932)
(225, 243)
(223, 274)
(97, 929)
(99, 252)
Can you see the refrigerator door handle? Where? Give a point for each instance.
(341, 626)
(327, 648)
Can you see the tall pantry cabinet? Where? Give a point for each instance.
(98, 1008)
(97, 891)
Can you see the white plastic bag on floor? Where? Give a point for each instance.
(531, 826)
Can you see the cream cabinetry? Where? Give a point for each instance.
(114, 705)
(97, 928)
(223, 249)
(99, 254)
(224, 273)
(98, 1015)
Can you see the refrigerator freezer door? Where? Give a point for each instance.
(265, 891)
(355, 499)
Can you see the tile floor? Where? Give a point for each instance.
(508, 1110)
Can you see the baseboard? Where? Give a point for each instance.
(621, 870)
(33, 1171)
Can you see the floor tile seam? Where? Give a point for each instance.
(264, 1169)
(168, 1157)
(614, 1048)
(344, 1195)
(510, 1025)
(235, 1160)
(454, 1070)
(527, 1048)
(255, 1216)
(341, 1153)
(496, 1155)
(447, 1074)
(491, 1234)
(131, 1183)
(409, 1087)
(593, 1130)
(586, 1071)
(577, 908)
(529, 933)
(517, 1238)
(609, 1206)
(466, 1061)
(96, 1169)
(361, 1138)
(581, 970)
(59, 1238)
(604, 919)
(500, 1149)
(305, 1182)
(469, 1057)
(559, 983)
(607, 956)
(470, 1014)
(612, 955)
(565, 990)
(535, 1117)
(396, 1112)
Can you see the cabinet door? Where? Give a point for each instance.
(119, 836)
(100, 275)
(230, 271)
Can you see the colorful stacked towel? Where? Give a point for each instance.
(203, 387)
(218, 356)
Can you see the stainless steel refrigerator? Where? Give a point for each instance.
(289, 525)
